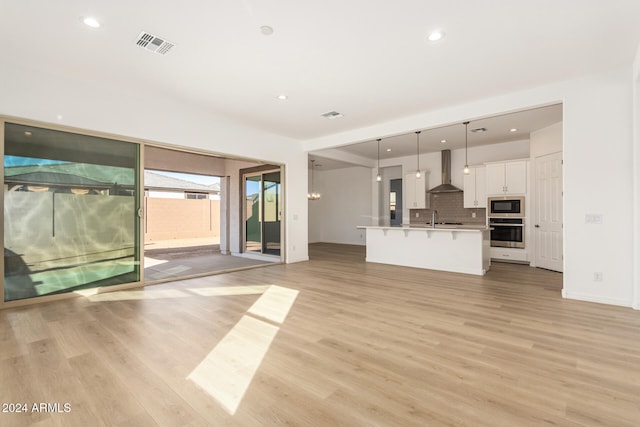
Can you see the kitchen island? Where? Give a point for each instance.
(457, 249)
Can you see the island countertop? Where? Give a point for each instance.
(455, 248)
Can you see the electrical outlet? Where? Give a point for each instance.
(473, 214)
(597, 276)
(417, 214)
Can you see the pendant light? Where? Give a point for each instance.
(466, 146)
(313, 195)
(418, 153)
(378, 177)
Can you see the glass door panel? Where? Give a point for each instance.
(70, 212)
(253, 213)
(263, 210)
(272, 210)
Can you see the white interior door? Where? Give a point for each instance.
(548, 212)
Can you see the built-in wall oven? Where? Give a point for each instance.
(507, 232)
(506, 218)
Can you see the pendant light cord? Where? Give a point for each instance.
(466, 145)
(378, 177)
(418, 152)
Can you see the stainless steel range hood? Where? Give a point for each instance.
(446, 186)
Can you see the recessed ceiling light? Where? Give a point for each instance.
(434, 36)
(282, 97)
(513, 130)
(91, 22)
(266, 30)
(388, 149)
(59, 117)
(443, 141)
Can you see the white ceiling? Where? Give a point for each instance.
(368, 60)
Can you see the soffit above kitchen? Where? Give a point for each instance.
(516, 126)
(282, 66)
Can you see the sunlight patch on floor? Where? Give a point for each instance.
(231, 290)
(151, 262)
(227, 371)
(138, 295)
(149, 293)
(274, 304)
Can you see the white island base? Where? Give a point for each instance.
(459, 250)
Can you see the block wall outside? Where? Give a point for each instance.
(168, 219)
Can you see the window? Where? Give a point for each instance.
(70, 212)
(196, 196)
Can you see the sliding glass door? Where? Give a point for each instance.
(70, 212)
(263, 212)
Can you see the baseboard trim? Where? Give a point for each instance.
(597, 299)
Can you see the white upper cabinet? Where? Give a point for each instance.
(507, 178)
(475, 187)
(415, 191)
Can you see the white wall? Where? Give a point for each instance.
(345, 204)
(598, 172)
(598, 152)
(153, 116)
(546, 141)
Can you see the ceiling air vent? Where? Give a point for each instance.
(332, 115)
(153, 43)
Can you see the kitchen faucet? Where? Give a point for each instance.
(434, 217)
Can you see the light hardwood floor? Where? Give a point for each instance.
(362, 345)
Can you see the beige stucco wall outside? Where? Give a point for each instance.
(167, 219)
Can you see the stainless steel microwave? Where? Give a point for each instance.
(506, 206)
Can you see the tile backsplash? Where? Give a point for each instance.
(450, 209)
